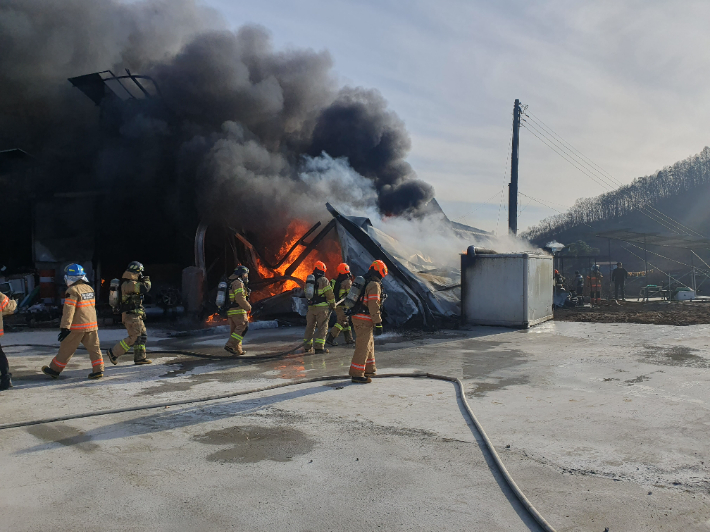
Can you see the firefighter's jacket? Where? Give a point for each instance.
(133, 289)
(7, 307)
(369, 309)
(323, 296)
(593, 284)
(238, 303)
(345, 285)
(79, 312)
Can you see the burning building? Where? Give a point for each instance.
(220, 151)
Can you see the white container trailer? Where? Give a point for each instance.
(507, 289)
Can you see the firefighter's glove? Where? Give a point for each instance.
(378, 329)
(145, 279)
(63, 333)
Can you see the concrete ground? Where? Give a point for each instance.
(601, 425)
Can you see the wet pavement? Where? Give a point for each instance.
(589, 419)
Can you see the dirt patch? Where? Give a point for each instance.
(679, 356)
(654, 313)
(253, 444)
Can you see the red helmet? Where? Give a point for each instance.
(556, 272)
(320, 266)
(343, 268)
(380, 267)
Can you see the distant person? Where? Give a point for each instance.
(619, 276)
(594, 285)
(7, 306)
(579, 287)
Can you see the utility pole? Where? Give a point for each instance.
(513, 187)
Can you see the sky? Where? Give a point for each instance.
(627, 83)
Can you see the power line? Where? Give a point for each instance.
(609, 179)
(577, 162)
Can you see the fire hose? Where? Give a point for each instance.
(527, 505)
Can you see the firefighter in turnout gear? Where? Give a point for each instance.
(78, 325)
(319, 309)
(341, 286)
(134, 287)
(7, 306)
(238, 310)
(594, 285)
(367, 321)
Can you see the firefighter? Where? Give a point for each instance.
(134, 287)
(7, 306)
(579, 288)
(238, 310)
(367, 321)
(341, 286)
(319, 309)
(594, 285)
(78, 325)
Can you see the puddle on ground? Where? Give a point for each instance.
(488, 358)
(64, 435)
(674, 356)
(253, 444)
(483, 388)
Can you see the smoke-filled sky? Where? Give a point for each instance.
(626, 82)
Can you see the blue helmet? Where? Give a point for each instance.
(74, 270)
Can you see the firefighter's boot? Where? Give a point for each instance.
(321, 351)
(139, 358)
(349, 337)
(96, 375)
(5, 381)
(49, 371)
(113, 358)
(330, 340)
(361, 380)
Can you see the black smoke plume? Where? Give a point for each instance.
(242, 133)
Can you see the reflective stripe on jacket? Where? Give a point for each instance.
(372, 302)
(7, 307)
(238, 303)
(79, 311)
(323, 289)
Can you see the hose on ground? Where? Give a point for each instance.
(532, 511)
(195, 354)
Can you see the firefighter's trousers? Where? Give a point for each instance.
(4, 364)
(68, 347)
(363, 362)
(237, 325)
(343, 323)
(137, 337)
(316, 327)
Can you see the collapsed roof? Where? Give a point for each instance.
(420, 292)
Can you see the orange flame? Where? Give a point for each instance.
(328, 251)
(213, 318)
